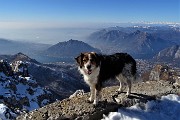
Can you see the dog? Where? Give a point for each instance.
(97, 68)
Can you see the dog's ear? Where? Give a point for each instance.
(79, 59)
(97, 57)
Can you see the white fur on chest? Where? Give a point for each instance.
(91, 79)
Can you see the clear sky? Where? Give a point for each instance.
(15, 14)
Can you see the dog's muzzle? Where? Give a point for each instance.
(89, 72)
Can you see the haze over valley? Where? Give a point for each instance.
(142, 41)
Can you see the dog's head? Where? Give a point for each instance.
(88, 61)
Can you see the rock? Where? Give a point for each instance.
(177, 81)
(21, 68)
(77, 93)
(77, 108)
(164, 72)
(155, 73)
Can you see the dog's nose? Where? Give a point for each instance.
(88, 66)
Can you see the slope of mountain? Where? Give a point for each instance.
(19, 93)
(13, 47)
(170, 54)
(18, 57)
(61, 79)
(140, 44)
(68, 49)
(169, 35)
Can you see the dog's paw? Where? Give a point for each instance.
(88, 101)
(95, 105)
(114, 97)
(127, 94)
(118, 92)
(95, 102)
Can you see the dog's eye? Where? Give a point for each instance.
(84, 60)
(92, 60)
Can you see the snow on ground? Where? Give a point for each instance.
(3, 109)
(168, 108)
(15, 88)
(5, 112)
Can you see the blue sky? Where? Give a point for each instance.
(89, 10)
(15, 14)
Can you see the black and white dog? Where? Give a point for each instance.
(97, 68)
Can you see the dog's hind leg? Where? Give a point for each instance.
(120, 86)
(129, 81)
(129, 87)
(120, 78)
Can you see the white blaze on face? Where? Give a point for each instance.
(90, 64)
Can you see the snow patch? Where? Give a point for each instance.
(5, 113)
(167, 108)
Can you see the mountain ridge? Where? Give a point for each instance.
(138, 43)
(10, 47)
(18, 57)
(169, 54)
(67, 50)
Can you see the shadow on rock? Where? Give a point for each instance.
(133, 98)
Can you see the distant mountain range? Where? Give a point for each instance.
(138, 43)
(170, 54)
(62, 51)
(167, 32)
(13, 47)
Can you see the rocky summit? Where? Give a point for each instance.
(77, 108)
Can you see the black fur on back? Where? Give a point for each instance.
(112, 65)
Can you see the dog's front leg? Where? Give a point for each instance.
(97, 93)
(96, 97)
(92, 93)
